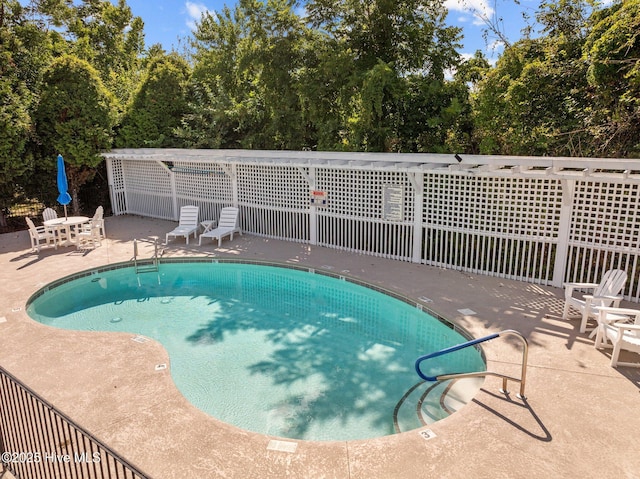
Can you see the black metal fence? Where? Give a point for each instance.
(39, 442)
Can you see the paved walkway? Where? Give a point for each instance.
(581, 418)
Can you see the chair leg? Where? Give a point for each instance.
(616, 353)
(584, 321)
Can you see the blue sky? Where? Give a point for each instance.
(166, 21)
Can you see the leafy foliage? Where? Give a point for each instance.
(613, 52)
(74, 118)
(16, 126)
(158, 106)
(355, 75)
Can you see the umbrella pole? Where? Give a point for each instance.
(65, 212)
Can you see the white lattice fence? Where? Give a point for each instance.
(115, 173)
(497, 225)
(206, 185)
(604, 233)
(540, 220)
(274, 201)
(148, 189)
(355, 218)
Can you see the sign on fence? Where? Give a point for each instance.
(393, 202)
(318, 198)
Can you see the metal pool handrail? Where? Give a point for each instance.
(505, 378)
(154, 259)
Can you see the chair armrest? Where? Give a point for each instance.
(569, 287)
(604, 311)
(610, 298)
(580, 285)
(627, 326)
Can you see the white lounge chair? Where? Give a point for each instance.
(606, 293)
(187, 224)
(40, 236)
(621, 326)
(227, 226)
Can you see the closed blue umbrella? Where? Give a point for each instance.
(64, 198)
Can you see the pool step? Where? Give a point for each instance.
(147, 268)
(428, 402)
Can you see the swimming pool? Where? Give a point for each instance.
(271, 349)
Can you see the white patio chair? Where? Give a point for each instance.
(49, 214)
(227, 226)
(98, 221)
(40, 236)
(91, 231)
(605, 293)
(187, 224)
(62, 234)
(621, 326)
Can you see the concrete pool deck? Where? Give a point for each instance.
(581, 417)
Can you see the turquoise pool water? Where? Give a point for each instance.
(273, 350)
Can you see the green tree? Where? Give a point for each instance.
(74, 118)
(326, 87)
(407, 35)
(15, 99)
(24, 50)
(533, 101)
(158, 106)
(396, 48)
(245, 88)
(612, 50)
(111, 39)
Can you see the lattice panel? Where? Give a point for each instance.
(207, 185)
(272, 186)
(605, 233)
(146, 177)
(360, 193)
(606, 214)
(203, 181)
(496, 205)
(503, 226)
(148, 189)
(117, 175)
(118, 197)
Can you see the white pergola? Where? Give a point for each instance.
(538, 219)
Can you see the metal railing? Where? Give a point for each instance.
(37, 441)
(505, 378)
(146, 266)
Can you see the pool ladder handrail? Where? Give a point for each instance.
(473, 342)
(154, 259)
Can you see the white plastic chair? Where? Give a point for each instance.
(92, 231)
(227, 226)
(605, 294)
(621, 326)
(187, 224)
(98, 221)
(40, 236)
(49, 214)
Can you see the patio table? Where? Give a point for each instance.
(67, 228)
